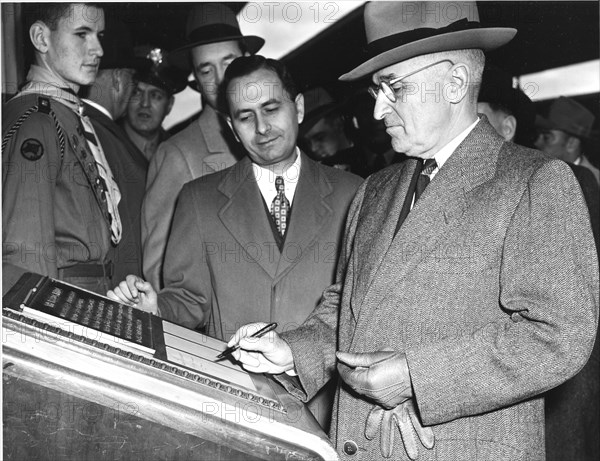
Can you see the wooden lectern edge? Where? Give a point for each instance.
(170, 401)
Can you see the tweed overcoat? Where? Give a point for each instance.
(490, 287)
(202, 148)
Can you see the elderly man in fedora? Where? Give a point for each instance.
(563, 133)
(459, 303)
(214, 40)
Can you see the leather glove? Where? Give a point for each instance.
(405, 417)
(381, 376)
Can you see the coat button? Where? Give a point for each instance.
(350, 447)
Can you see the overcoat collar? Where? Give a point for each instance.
(245, 217)
(219, 139)
(440, 207)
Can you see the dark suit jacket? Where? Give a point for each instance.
(129, 168)
(490, 287)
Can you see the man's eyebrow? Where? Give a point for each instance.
(239, 112)
(270, 101)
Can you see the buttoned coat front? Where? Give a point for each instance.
(490, 287)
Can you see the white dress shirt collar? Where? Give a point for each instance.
(265, 179)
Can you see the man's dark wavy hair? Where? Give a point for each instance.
(245, 65)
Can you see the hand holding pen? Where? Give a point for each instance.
(267, 353)
(259, 334)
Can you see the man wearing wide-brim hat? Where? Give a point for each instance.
(468, 283)
(564, 131)
(213, 40)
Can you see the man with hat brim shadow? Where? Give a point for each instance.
(324, 131)
(207, 145)
(564, 131)
(105, 102)
(467, 284)
(152, 100)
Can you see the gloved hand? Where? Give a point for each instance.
(381, 376)
(405, 417)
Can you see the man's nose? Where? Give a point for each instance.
(96, 47)
(382, 106)
(262, 125)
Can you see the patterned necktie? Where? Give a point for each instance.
(428, 167)
(280, 206)
(109, 186)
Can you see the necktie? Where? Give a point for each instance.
(280, 206)
(111, 190)
(428, 167)
(418, 183)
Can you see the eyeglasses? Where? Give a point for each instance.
(388, 87)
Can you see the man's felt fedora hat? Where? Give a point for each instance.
(397, 31)
(569, 116)
(212, 23)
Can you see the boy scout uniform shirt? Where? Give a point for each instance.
(54, 210)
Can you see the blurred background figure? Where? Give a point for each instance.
(152, 100)
(563, 133)
(508, 109)
(324, 132)
(374, 143)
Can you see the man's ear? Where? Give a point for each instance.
(228, 118)
(458, 86)
(39, 34)
(573, 144)
(509, 127)
(299, 102)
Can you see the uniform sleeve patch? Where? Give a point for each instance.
(32, 149)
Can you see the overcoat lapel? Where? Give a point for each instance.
(440, 207)
(379, 214)
(219, 142)
(245, 218)
(310, 213)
